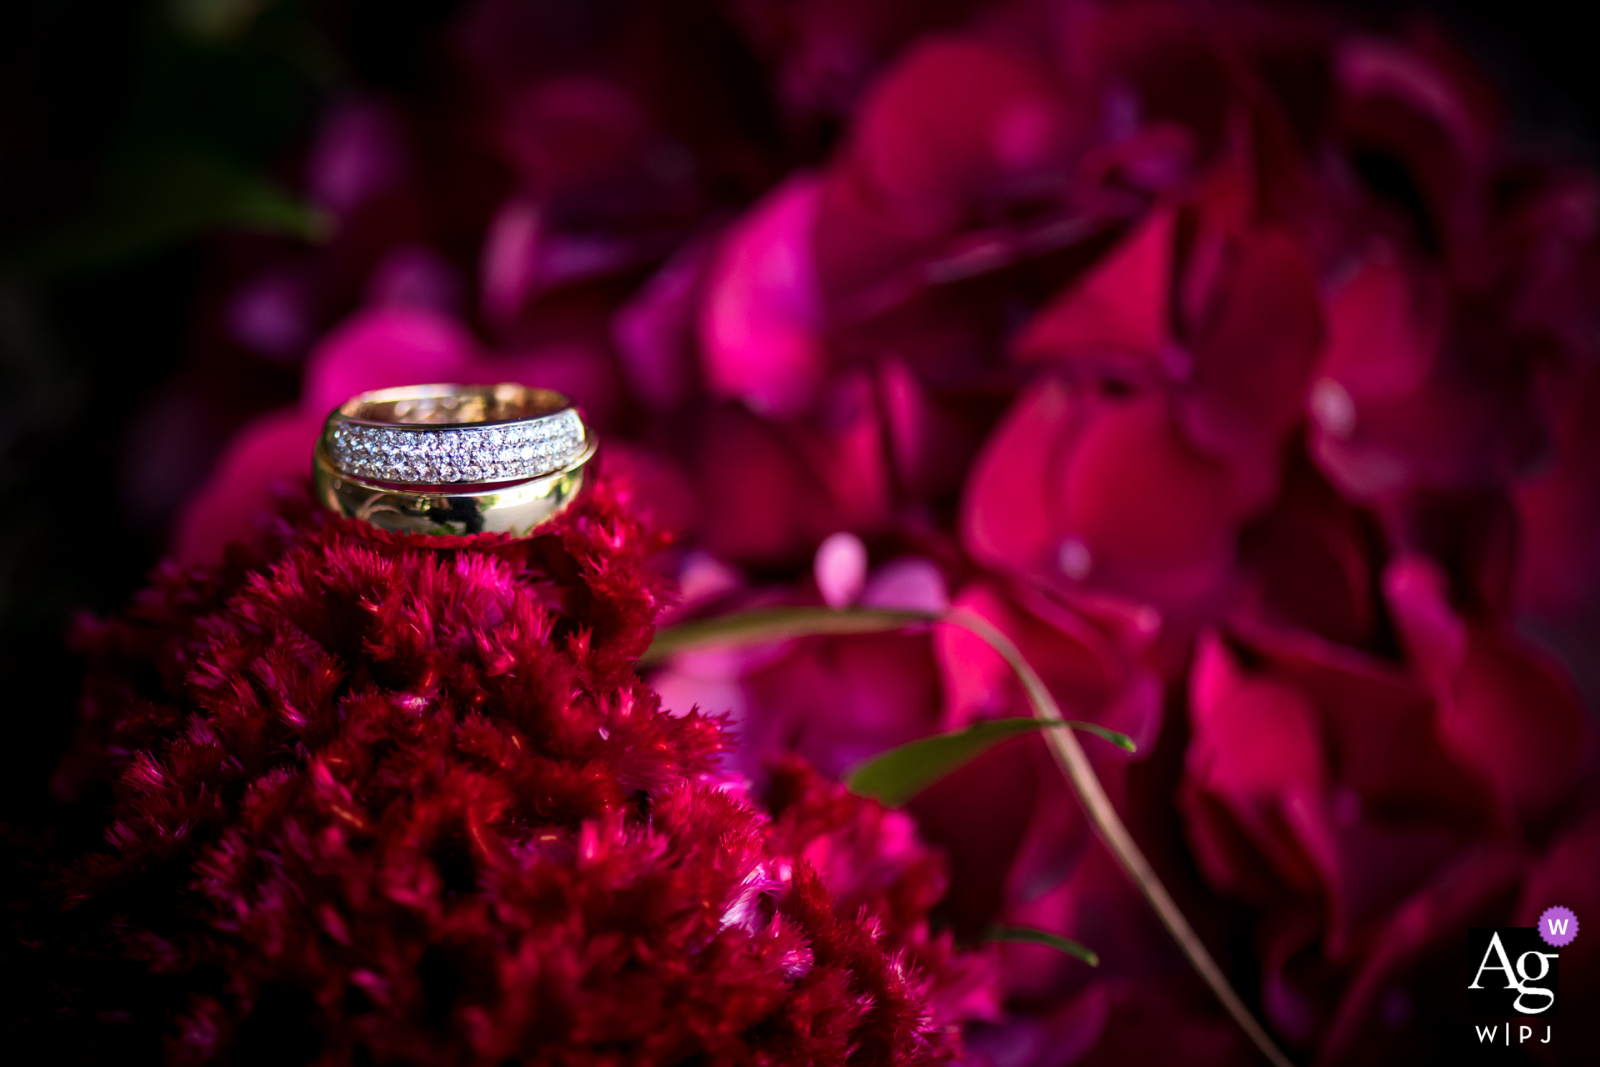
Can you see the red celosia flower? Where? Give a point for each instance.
(389, 804)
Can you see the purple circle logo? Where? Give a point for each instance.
(1558, 926)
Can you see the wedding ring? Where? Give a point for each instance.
(444, 434)
(453, 460)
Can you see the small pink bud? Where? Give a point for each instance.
(840, 568)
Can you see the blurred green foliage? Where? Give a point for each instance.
(221, 91)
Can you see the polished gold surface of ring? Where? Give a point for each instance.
(450, 405)
(449, 460)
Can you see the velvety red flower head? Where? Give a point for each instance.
(379, 802)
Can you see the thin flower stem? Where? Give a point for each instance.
(774, 624)
(1080, 775)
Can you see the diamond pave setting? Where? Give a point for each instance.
(442, 455)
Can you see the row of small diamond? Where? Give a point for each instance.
(440, 455)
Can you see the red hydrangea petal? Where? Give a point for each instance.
(1119, 314)
(1151, 512)
(387, 347)
(269, 457)
(761, 322)
(930, 150)
(1254, 358)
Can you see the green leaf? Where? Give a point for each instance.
(1026, 935)
(214, 20)
(899, 774)
(765, 625)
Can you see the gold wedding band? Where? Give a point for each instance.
(453, 460)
